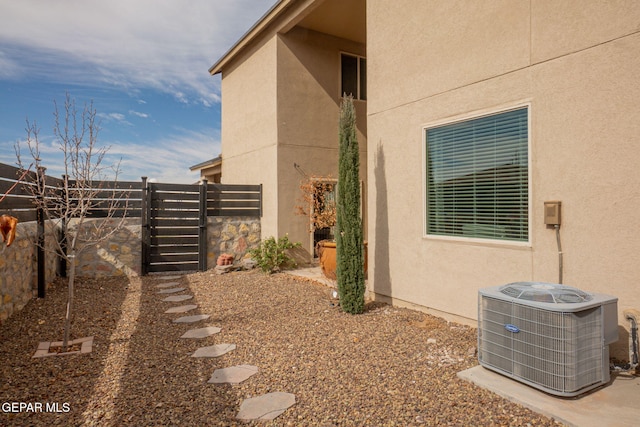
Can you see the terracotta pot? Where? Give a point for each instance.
(327, 254)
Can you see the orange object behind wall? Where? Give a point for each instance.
(8, 226)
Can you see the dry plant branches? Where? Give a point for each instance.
(318, 201)
(82, 192)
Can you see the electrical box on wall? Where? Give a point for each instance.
(552, 212)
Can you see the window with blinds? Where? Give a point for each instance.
(477, 177)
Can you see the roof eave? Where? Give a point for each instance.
(255, 31)
(208, 163)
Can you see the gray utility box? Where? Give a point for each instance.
(550, 336)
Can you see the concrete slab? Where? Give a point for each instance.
(192, 319)
(171, 291)
(167, 285)
(86, 346)
(265, 407)
(174, 277)
(181, 308)
(214, 350)
(233, 374)
(615, 405)
(177, 298)
(201, 332)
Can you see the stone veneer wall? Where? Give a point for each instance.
(117, 256)
(121, 254)
(231, 235)
(19, 268)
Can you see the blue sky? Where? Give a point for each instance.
(143, 63)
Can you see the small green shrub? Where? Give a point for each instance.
(271, 255)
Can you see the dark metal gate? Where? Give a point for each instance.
(174, 221)
(174, 227)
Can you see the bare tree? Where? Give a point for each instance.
(81, 192)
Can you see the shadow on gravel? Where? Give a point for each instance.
(56, 390)
(161, 383)
(388, 366)
(140, 371)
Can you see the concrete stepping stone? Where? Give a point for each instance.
(171, 291)
(177, 298)
(201, 332)
(169, 277)
(181, 309)
(265, 407)
(233, 375)
(214, 350)
(167, 285)
(192, 319)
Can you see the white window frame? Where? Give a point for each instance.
(466, 117)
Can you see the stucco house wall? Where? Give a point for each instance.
(575, 66)
(249, 132)
(308, 115)
(281, 107)
(572, 64)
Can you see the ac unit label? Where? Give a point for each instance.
(512, 328)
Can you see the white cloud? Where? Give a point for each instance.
(140, 47)
(9, 68)
(165, 45)
(114, 117)
(139, 114)
(165, 159)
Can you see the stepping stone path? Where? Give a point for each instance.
(177, 298)
(216, 350)
(171, 291)
(201, 332)
(170, 277)
(192, 319)
(167, 285)
(265, 407)
(181, 309)
(233, 375)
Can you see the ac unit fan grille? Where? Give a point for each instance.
(554, 350)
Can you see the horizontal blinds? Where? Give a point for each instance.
(477, 174)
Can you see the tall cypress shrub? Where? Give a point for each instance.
(349, 239)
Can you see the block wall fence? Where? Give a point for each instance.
(120, 255)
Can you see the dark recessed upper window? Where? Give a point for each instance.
(353, 74)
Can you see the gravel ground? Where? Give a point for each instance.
(386, 367)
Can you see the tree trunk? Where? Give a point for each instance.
(67, 321)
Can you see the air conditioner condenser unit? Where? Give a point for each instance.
(550, 336)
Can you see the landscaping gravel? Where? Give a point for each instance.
(386, 367)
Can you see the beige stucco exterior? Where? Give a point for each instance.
(573, 64)
(281, 109)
